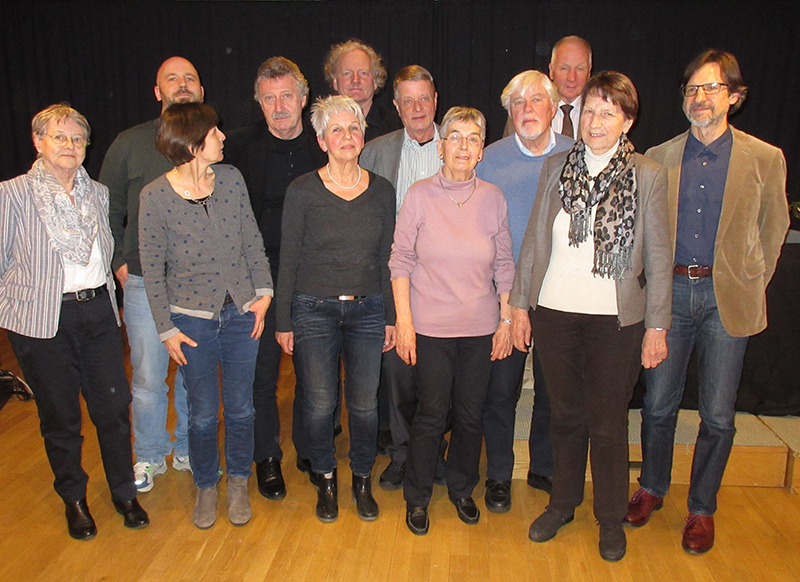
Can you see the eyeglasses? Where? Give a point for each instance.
(708, 89)
(61, 140)
(456, 139)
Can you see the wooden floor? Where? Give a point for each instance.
(758, 530)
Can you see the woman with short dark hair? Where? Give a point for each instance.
(209, 286)
(595, 270)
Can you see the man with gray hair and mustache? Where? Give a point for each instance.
(270, 154)
(514, 164)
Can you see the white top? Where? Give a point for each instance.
(551, 143)
(77, 277)
(575, 115)
(569, 284)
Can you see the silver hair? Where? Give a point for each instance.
(571, 39)
(524, 81)
(276, 67)
(325, 107)
(58, 112)
(469, 114)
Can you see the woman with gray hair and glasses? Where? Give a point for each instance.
(452, 269)
(334, 298)
(57, 303)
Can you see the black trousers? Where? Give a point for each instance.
(267, 424)
(499, 418)
(591, 366)
(451, 374)
(85, 357)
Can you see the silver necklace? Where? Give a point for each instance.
(186, 194)
(460, 204)
(328, 169)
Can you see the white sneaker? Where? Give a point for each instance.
(145, 474)
(181, 463)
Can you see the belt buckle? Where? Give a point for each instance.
(85, 294)
(689, 272)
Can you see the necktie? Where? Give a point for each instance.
(566, 126)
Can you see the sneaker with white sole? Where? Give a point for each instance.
(145, 474)
(181, 463)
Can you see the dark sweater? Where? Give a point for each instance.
(130, 164)
(331, 246)
(269, 165)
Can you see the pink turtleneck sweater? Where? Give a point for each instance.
(458, 259)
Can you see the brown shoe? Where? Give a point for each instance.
(641, 506)
(698, 534)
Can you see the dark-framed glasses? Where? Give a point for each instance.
(708, 89)
(61, 140)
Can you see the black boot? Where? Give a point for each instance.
(366, 506)
(327, 498)
(80, 523)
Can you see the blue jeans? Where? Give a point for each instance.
(325, 329)
(225, 342)
(150, 363)
(695, 323)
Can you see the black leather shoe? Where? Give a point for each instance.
(498, 496)
(417, 520)
(80, 522)
(366, 506)
(467, 510)
(327, 498)
(270, 479)
(392, 476)
(540, 482)
(133, 515)
(384, 442)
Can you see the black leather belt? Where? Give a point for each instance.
(693, 271)
(84, 294)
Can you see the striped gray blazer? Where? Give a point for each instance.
(31, 272)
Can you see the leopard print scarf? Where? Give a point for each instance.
(614, 191)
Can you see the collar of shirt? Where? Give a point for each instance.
(695, 148)
(576, 103)
(412, 143)
(551, 143)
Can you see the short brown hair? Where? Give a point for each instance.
(182, 130)
(728, 68)
(277, 67)
(615, 88)
(412, 73)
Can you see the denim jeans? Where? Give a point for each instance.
(325, 329)
(225, 342)
(150, 364)
(695, 323)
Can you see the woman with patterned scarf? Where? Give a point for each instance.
(57, 303)
(593, 288)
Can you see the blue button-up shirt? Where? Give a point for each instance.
(704, 170)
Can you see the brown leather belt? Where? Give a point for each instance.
(693, 271)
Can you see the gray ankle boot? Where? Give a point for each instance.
(239, 511)
(205, 507)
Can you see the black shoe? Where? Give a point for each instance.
(270, 479)
(546, 526)
(467, 510)
(133, 515)
(384, 442)
(417, 520)
(540, 482)
(498, 496)
(80, 522)
(337, 430)
(366, 506)
(392, 476)
(327, 498)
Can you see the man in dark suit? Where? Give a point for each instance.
(728, 219)
(403, 157)
(270, 154)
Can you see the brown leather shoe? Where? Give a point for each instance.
(641, 506)
(698, 534)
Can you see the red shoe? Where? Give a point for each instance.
(698, 534)
(641, 506)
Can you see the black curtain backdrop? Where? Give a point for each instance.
(102, 58)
